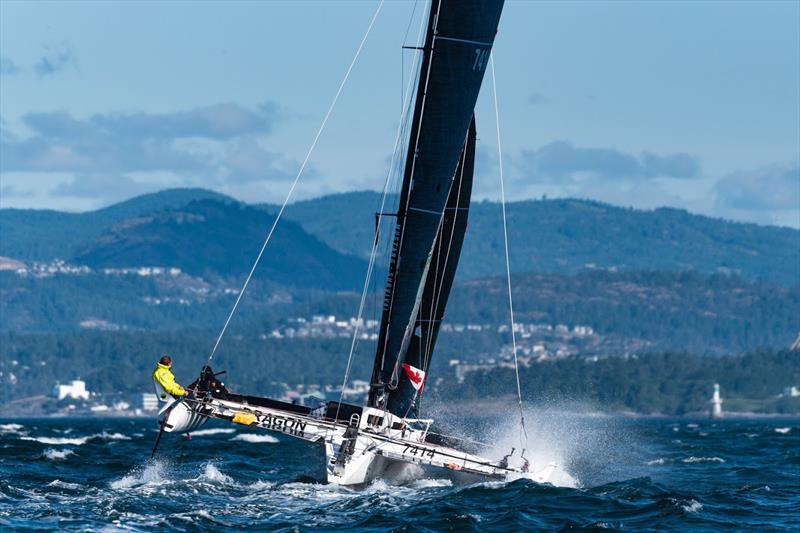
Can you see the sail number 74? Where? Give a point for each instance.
(416, 450)
(481, 56)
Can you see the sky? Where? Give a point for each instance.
(692, 105)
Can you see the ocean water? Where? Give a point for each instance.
(616, 473)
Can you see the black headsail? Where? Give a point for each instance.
(438, 174)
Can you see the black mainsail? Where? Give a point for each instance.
(434, 199)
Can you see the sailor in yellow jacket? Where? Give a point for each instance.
(164, 377)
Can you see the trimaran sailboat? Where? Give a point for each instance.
(360, 442)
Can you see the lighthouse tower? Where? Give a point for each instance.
(716, 403)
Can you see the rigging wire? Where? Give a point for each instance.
(523, 431)
(398, 143)
(294, 183)
(438, 284)
(393, 379)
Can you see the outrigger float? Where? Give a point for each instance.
(361, 442)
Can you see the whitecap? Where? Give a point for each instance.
(253, 437)
(152, 473)
(11, 428)
(212, 473)
(692, 426)
(693, 506)
(694, 459)
(783, 431)
(431, 483)
(261, 485)
(57, 455)
(75, 441)
(113, 436)
(659, 461)
(57, 483)
(212, 431)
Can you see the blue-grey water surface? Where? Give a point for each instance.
(618, 473)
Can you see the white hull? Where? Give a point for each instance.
(178, 417)
(358, 449)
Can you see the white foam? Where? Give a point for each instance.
(212, 431)
(11, 428)
(255, 438)
(113, 436)
(212, 473)
(57, 483)
(261, 485)
(57, 455)
(693, 506)
(783, 431)
(659, 461)
(694, 459)
(431, 483)
(692, 426)
(150, 474)
(75, 441)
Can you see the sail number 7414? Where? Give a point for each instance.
(418, 451)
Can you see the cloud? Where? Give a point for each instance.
(775, 187)
(8, 67)
(220, 121)
(9, 191)
(117, 143)
(56, 58)
(104, 187)
(246, 160)
(537, 98)
(562, 161)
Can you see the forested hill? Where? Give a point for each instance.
(210, 238)
(563, 236)
(44, 234)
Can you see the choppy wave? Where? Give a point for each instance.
(57, 483)
(152, 473)
(694, 459)
(783, 431)
(693, 506)
(57, 455)
(633, 475)
(75, 441)
(212, 431)
(11, 428)
(255, 438)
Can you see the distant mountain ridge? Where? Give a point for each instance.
(569, 236)
(559, 236)
(44, 234)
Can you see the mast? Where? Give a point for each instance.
(437, 174)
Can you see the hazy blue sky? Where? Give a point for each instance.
(687, 104)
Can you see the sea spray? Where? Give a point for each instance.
(589, 448)
(155, 472)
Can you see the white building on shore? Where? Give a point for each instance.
(75, 390)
